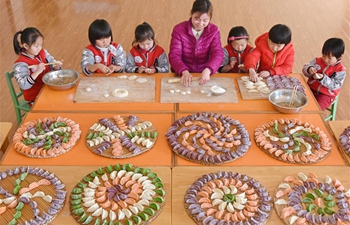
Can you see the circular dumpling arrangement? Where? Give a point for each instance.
(121, 136)
(30, 196)
(118, 195)
(310, 200)
(344, 140)
(228, 198)
(208, 138)
(46, 137)
(293, 141)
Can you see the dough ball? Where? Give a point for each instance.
(120, 93)
(183, 92)
(141, 80)
(172, 91)
(123, 77)
(188, 92)
(203, 91)
(106, 95)
(88, 89)
(133, 77)
(177, 90)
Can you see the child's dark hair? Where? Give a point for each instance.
(99, 29)
(202, 6)
(143, 32)
(237, 33)
(27, 36)
(334, 47)
(280, 34)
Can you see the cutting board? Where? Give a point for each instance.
(101, 86)
(250, 95)
(196, 89)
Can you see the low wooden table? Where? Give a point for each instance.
(338, 127)
(269, 176)
(159, 155)
(70, 175)
(248, 106)
(5, 128)
(63, 101)
(256, 157)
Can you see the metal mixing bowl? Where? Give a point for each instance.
(61, 79)
(281, 98)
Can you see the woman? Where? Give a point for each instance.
(195, 45)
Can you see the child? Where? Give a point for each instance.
(31, 64)
(235, 51)
(146, 56)
(327, 73)
(274, 52)
(103, 55)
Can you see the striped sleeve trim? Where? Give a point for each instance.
(31, 80)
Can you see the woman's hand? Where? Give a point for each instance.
(252, 75)
(264, 74)
(186, 78)
(205, 77)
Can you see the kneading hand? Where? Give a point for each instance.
(264, 74)
(205, 77)
(186, 78)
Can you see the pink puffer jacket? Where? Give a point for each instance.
(186, 53)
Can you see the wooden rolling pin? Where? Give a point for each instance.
(178, 80)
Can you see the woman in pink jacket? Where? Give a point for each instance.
(195, 45)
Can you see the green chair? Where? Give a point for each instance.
(333, 109)
(21, 106)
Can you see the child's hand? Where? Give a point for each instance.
(57, 65)
(241, 67)
(233, 61)
(113, 68)
(141, 69)
(104, 69)
(150, 70)
(317, 76)
(205, 77)
(252, 75)
(264, 74)
(312, 71)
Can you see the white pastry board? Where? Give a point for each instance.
(196, 89)
(101, 86)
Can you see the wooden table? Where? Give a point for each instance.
(256, 157)
(63, 101)
(338, 127)
(70, 175)
(247, 106)
(5, 128)
(270, 177)
(159, 155)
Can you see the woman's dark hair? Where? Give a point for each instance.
(27, 36)
(237, 33)
(143, 32)
(202, 6)
(99, 29)
(280, 34)
(334, 47)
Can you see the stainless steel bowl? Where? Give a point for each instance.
(280, 99)
(61, 79)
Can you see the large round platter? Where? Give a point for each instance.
(30, 196)
(46, 137)
(118, 195)
(344, 140)
(311, 200)
(293, 141)
(228, 198)
(121, 136)
(208, 138)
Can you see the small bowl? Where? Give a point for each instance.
(61, 79)
(217, 93)
(281, 98)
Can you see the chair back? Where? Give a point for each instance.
(19, 103)
(15, 96)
